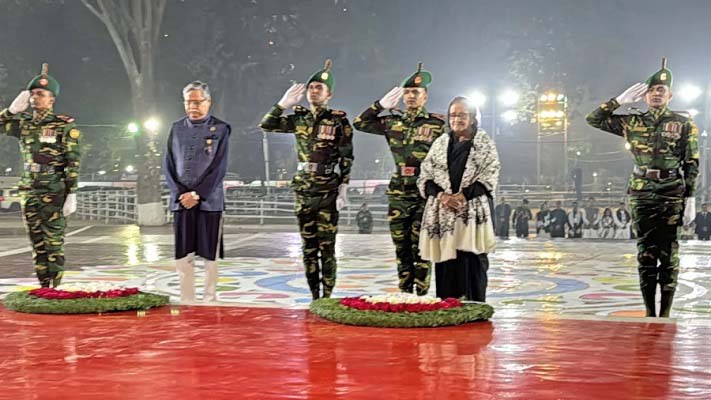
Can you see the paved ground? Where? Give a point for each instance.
(564, 277)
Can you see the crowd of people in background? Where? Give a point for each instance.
(585, 221)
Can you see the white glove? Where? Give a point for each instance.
(392, 98)
(21, 102)
(633, 94)
(342, 199)
(689, 211)
(292, 96)
(70, 205)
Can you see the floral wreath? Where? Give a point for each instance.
(401, 310)
(82, 299)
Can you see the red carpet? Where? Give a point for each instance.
(241, 353)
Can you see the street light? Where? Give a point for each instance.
(152, 124)
(102, 172)
(689, 92)
(477, 98)
(510, 116)
(509, 97)
(552, 119)
(129, 169)
(132, 128)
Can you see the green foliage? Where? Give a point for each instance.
(23, 302)
(332, 310)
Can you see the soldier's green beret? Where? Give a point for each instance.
(44, 81)
(420, 79)
(324, 76)
(661, 77)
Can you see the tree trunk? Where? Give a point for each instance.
(134, 28)
(148, 187)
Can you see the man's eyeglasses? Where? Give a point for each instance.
(194, 102)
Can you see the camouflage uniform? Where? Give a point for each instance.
(409, 136)
(664, 146)
(50, 149)
(324, 140)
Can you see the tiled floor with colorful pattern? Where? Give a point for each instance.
(561, 277)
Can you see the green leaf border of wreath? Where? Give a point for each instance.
(332, 310)
(23, 302)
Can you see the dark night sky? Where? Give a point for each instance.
(599, 47)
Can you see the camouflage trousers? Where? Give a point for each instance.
(405, 218)
(45, 223)
(656, 220)
(318, 223)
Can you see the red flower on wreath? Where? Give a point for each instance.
(363, 305)
(57, 294)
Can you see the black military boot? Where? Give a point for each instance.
(666, 304)
(648, 295)
(648, 285)
(314, 286)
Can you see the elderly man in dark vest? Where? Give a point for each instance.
(195, 166)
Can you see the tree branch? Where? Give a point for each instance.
(99, 15)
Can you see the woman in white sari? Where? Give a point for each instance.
(458, 178)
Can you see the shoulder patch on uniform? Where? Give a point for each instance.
(338, 113)
(65, 118)
(300, 109)
(684, 115)
(74, 133)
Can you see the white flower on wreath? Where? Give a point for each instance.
(400, 298)
(89, 287)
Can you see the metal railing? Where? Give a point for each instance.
(109, 206)
(119, 206)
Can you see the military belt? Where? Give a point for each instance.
(409, 170)
(317, 168)
(43, 168)
(655, 174)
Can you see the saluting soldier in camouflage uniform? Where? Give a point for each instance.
(50, 149)
(409, 135)
(324, 141)
(664, 145)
